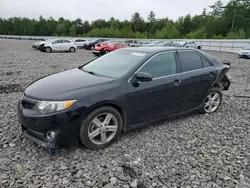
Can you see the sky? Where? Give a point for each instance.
(104, 9)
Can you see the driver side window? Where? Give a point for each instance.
(161, 65)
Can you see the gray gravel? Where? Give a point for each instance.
(192, 151)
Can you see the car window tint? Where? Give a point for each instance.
(66, 41)
(56, 42)
(80, 40)
(161, 65)
(189, 60)
(206, 63)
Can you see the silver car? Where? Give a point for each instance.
(59, 45)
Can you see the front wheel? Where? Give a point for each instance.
(101, 128)
(212, 101)
(48, 49)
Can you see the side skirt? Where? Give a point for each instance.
(145, 124)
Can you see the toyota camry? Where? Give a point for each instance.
(94, 103)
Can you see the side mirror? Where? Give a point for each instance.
(143, 77)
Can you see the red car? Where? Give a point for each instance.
(108, 46)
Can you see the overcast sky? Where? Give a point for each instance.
(95, 9)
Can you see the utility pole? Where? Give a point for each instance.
(232, 27)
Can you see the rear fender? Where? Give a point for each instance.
(223, 80)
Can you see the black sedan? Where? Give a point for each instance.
(125, 89)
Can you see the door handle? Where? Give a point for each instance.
(177, 82)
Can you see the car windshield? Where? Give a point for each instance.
(115, 64)
(110, 43)
(247, 47)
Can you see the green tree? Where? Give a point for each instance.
(72, 31)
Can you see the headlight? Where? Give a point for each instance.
(46, 107)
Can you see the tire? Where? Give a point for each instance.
(88, 128)
(48, 49)
(199, 48)
(72, 49)
(212, 92)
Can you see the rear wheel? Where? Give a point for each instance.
(72, 49)
(212, 101)
(48, 49)
(101, 128)
(198, 47)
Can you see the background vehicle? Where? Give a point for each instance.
(152, 44)
(81, 42)
(120, 91)
(91, 44)
(132, 43)
(59, 45)
(109, 46)
(192, 44)
(245, 52)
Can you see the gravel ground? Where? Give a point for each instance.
(189, 151)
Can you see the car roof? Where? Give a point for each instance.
(152, 49)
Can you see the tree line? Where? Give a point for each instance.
(230, 21)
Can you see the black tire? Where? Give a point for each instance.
(72, 49)
(84, 138)
(199, 48)
(48, 50)
(212, 90)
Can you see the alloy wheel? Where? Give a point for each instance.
(212, 102)
(102, 128)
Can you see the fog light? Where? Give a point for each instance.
(51, 135)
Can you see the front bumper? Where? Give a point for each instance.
(244, 56)
(35, 126)
(96, 52)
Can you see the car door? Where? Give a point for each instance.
(57, 45)
(159, 97)
(197, 77)
(66, 45)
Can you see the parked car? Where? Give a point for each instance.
(132, 43)
(80, 42)
(59, 45)
(151, 44)
(192, 44)
(106, 47)
(91, 44)
(245, 52)
(122, 90)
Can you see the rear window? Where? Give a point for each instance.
(189, 61)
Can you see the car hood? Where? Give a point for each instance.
(64, 84)
(98, 48)
(244, 51)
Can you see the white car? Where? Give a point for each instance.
(192, 44)
(80, 42)
(59, 45)
(245, 52)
